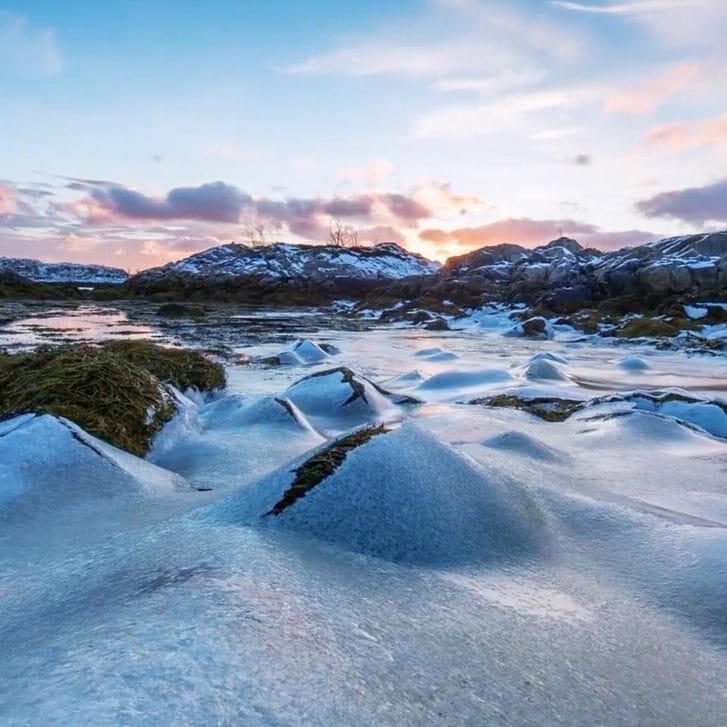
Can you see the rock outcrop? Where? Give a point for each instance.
(563, 276)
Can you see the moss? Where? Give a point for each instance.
(114, 391)
(655, 327)
(322, 465)
(550, 409)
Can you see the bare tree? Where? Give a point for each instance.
(342, 235)
(256, 235)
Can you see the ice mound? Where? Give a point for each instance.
(436, 354)
(708, 416)
(341, 397)
(632, 363)
(236, 441)
(234, 412)
(671, 405)
(406, 497)
(525, 445)
(455, 382)
(410, 377)
(549, 356)
(542, 368)
(48, 463)
(305, 352)
(443, 356)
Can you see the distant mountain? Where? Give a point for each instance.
(280, 261)
(40, 272)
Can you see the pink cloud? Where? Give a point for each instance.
(8, 202)
(649, 96)
(710, 132)
(530, 233)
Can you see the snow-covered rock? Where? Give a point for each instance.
(42, 272)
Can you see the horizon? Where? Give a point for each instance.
(137, 136)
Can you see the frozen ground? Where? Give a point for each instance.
(473, 565)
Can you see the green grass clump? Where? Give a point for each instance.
(182, 368)
(116, 392)
(323, 464)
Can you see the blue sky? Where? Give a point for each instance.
(136, 132)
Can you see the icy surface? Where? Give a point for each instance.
(473, 565)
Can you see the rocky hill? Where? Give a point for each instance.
(37, 271)
(563, 275)
(309, 272)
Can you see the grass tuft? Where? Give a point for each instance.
(322, 465)
(114, 391)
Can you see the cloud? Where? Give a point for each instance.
(531, 233)
(469, 36)
(649, 96)
(106, 203)
(479, 119)
(710, 132)
(681, 23)
(309, 217)
(212, 202)
(372, 173)
(628, 8)
(7, 200)
(28, 49)
(694, 205)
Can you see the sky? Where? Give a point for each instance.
(140, 131)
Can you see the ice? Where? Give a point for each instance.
(48, 465)
(474, 565)
(443, 509)
(541, 368)
(454, 383)
(305, 352)
(525, 445)
(339, 399)
(632, 363)
(236, 441)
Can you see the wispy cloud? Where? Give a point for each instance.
(28, 49)
(470, 36)
(648, 96)
(638, 7)
(695, 24)
(498, 115)
(706, 133)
